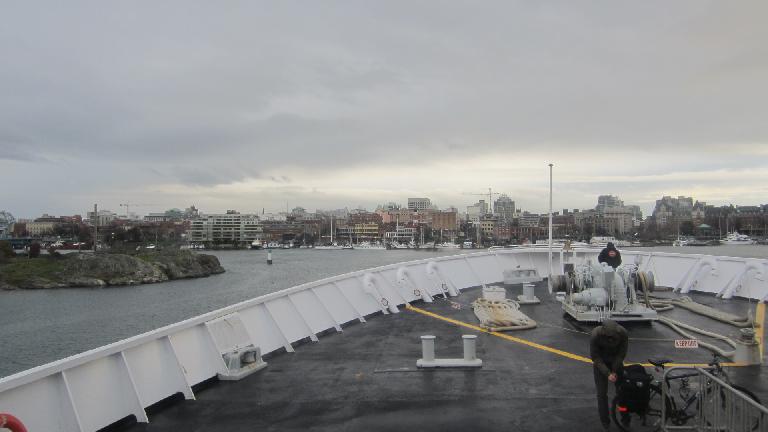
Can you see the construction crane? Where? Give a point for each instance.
(128, 206)
(490, 195)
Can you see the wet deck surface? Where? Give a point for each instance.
(365, 378)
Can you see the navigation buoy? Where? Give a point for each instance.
(10, 422)
(269, 257)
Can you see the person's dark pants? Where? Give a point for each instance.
(601, 384)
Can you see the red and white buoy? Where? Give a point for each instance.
(10, 422)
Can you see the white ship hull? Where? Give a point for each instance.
(94, 389)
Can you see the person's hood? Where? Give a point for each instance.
(611, 332)
(610, 246)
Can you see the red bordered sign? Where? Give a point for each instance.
(686, 343)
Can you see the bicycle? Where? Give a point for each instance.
(682, 399)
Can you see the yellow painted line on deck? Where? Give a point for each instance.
(538, 346)
(760, 321)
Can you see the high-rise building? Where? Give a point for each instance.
(419, 203)
(504, 208)
(607, 201)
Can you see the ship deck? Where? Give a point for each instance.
(365, 378)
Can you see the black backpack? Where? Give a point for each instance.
(633, 389)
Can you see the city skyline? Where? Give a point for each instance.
(509, 206)
(357, 104)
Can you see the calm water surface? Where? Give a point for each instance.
(37, 327)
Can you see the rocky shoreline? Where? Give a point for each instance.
(106, 269)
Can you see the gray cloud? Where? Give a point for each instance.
(206, 94)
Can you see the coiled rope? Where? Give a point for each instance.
(501, 315)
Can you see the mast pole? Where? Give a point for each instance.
(549, 279)
(95, 226)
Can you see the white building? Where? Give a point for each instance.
(419, 203)
(105, 217)
(474, 212)
(229, 228)
(401, 234)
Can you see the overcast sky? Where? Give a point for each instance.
(250, 105)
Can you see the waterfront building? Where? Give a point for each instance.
(367, 231)
(669, 211)
(229, 228)
(401, 234)
(283, 231)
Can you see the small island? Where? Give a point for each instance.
(104, 269)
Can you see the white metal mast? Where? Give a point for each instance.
(549, 279)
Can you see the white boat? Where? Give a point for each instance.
(273, 245)
(370, 246)
(332, 246)
(603, 242)
(447, 245)
(396, 245)
(257, 244)
(735, 238)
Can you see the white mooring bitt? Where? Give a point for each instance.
(428, 359)
(528, 296)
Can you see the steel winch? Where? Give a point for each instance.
(596, 292)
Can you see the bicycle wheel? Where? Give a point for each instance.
(619, 413)
(739, 412)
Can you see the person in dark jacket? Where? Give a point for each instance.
(607, 348)
(610, 255)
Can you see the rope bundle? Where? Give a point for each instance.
(501, 315)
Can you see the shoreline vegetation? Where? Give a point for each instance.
(104, 269)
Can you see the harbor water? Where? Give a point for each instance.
(40, 326)
(37, 327)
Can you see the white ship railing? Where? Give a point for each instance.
(94, 389)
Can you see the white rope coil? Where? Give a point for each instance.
(501, 315)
